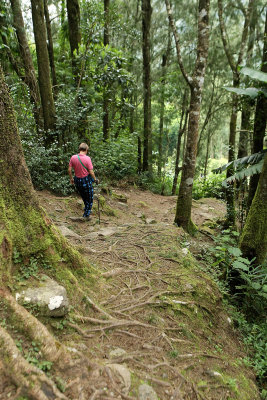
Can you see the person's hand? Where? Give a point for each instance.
(96, 181)
(71, 181)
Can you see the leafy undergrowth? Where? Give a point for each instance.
(152, 301)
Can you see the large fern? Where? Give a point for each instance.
(245, 167)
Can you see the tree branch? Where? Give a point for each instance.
(224, 38)
(245, 32)
(177, 43)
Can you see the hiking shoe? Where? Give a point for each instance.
(88, 218)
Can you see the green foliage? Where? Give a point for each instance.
(48, 166)
(245, 166)
(248, 298)
(254, 74)
(114, 159)
(33, 355)
(211, 187)
(30, 267)
(254, 337)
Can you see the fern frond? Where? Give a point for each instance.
(244, 173)
(242, 162)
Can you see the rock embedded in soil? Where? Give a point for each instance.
(146, 392)
(123, 374)
(68, 232)
(49, 298)
(118, 352)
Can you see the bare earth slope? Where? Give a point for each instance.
(154, 310)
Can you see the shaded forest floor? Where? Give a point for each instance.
(153, 310)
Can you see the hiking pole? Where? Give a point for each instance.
(97, 194)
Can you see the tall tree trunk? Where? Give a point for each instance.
(230, 197)
(139, 154)
(207, 154)
(162, 109)
(165, 57)
(30, 76)
(146, 22)
(245, 129)
(106, 87)
(23, 223)
(50, 48)
(246, 103)
(259, 121)
(253, 241)
(184, 202)
(45, 86)
(73, 10)
(229, 193)
(182, 129)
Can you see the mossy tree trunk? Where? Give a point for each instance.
(26, 228)
(259, 121)
(24, 225)
(253, 241)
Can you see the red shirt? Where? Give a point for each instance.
(79, 170)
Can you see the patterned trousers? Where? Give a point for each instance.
(85, 187)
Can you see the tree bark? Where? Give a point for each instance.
(165, 57)
(246, 103)
(182, 129)
(259, 121)
(73, 10)
(253, 241)
(146, 22)
(184, 202)
(45, 86)
(162, 109)
(24, 225)
(50, 48)
(24, 50)
(106, 126)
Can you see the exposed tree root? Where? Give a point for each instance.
(32, 381)
(51, 349)
(112, 323)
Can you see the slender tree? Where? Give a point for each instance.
(50, 48)
(165, 57)
(29, 76)
(234, 65)
(73, 10)
(45, 86)
(246, 103)
(146, 23)
(195, 83)
(182, 128)
(106, 86)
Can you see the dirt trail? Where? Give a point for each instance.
(154, 310)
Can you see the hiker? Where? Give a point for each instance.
(84, 178)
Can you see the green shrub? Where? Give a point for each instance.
(211, 187)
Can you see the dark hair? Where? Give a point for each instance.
(83, 147)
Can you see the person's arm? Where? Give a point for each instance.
(91, 172)
(70, 175)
